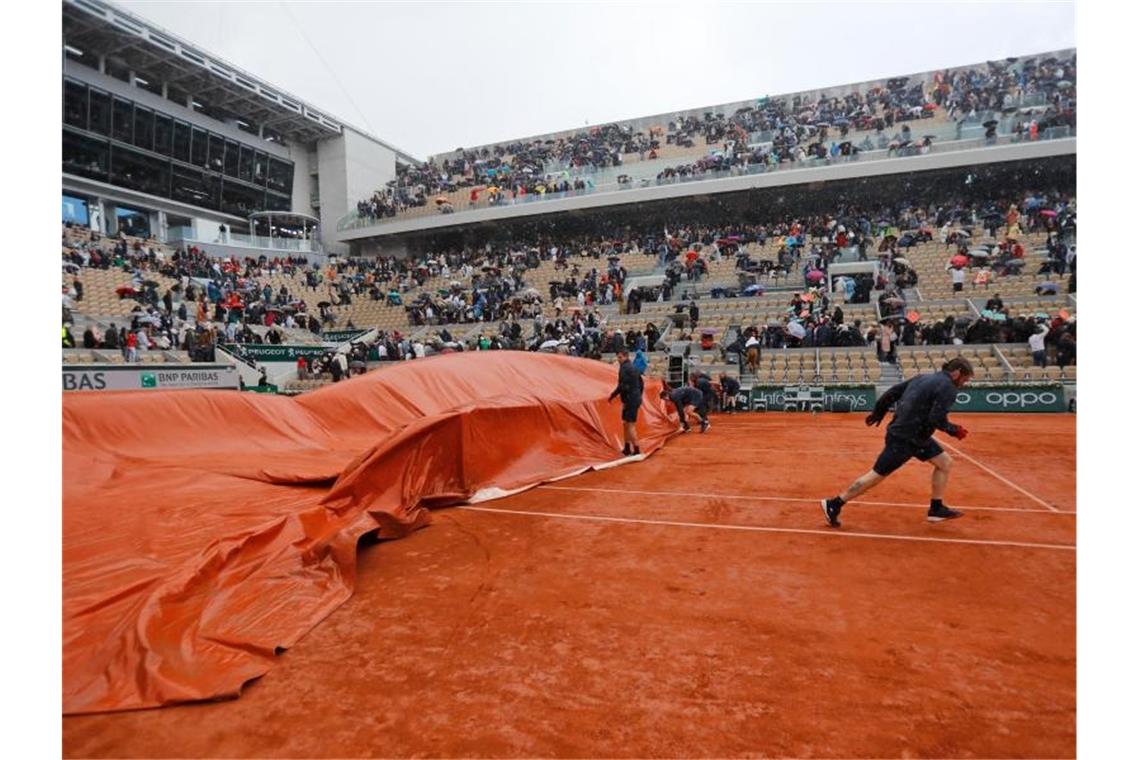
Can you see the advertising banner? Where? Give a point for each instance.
(152, 377)
(266, 352)
(1011, 398)
(773, 398)
(1001, 398)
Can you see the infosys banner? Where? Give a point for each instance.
(76, 378)
(1011, 398)
(266, 352)
(773, 397)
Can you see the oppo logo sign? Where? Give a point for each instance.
(1008, 399)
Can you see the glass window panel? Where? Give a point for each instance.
(75, 103)
(231, 158)
(182, 141)
(144, 128)
(280, 176)
(100, 113)
(194, 186)
(123, 120)
(242, 200)
(245, 165)
(163, 132)
(260, 167)
(132, 221)
(217, 150)
(275, 202)
(136, 171)
(198, 148)
(75, 210)
(85, 156)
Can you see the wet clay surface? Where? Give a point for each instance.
(712, 613)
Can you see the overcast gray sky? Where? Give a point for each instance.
(432, 77)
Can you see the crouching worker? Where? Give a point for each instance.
(684, 397)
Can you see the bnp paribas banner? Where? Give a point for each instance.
(153, 377)
(1011, 398)
(773, 398)
(267, 352)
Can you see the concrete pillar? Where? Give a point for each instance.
(95, 214)
(102, 64)
(107, 217)
(165, 91)
(162, 229)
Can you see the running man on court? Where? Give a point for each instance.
(923, 403)
(630, 387)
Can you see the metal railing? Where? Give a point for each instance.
(186, 235)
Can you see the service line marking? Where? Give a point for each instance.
(707, 495)
(1008, 482)
(766, 529)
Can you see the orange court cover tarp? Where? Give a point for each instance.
(205, 530)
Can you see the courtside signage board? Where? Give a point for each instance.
(861, 398)
(992, 398)
(1011, 398)
(152, 377)
(265, 352)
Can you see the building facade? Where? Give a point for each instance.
(164, 139)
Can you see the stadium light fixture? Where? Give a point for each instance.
(140, 80)
(72, 50)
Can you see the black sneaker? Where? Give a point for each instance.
(685, 428)
(625, 450)
(636, 451)
(705, 424)
(830, 512)
(941, 513)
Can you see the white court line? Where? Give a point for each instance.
(781, 449)
(1009, 483)
(765, 529)
(708, 495)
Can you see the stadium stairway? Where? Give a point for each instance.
(891, 375)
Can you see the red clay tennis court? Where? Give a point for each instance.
(693, 604)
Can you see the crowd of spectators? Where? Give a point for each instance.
(219, 301)
(1002, 87)
(773, 131)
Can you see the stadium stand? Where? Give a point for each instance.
(588, 287)
(1027, 99)
(571, 290)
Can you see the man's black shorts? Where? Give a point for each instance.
(629, 412)
(897, 451)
